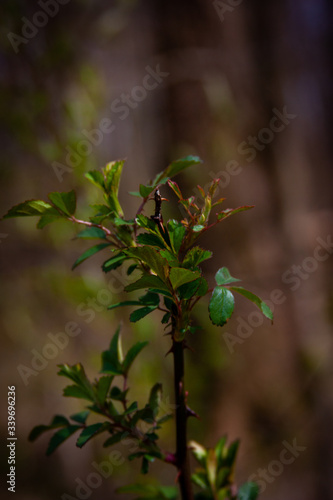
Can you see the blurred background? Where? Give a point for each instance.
(246, 85)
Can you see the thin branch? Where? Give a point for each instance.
(92, 224)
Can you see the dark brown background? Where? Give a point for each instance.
(228, 70)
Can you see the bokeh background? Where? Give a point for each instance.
(228, 68)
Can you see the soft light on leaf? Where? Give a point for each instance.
(199, 452)
(90, 431)
(179, 276)
(255, 299)
(141, 313)
(59, 437)
(155, 398)
(31, 208)
(221, 306)
(147, 281)
(231, 211)
(248, 491)
(91, 232)
(223, 277)
(89, 253)
(132, 354)
(66, 202)
(80, 417)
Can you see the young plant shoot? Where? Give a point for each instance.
(166, 257)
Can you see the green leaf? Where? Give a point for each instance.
(195, 256)
(132, 354)
(114, 262)
(59, 437)
(102, 387)
(141, 313)
(221, 306)
(151, 257)
(145, 465)
(132, 407)
(255, 299)
(89, 253)
(170, 257)
(57, 421)
(199, 452)
(31, 208)
(189, 289)
(231, 211)
(112, 173)
(232, 453)
(150, 299)
(77, 374)
(80, 417)
(165, 418)
(222, 477)
(146, 223)
(91, 431)
(112, 358)
(179, 165)
(175, 188)
(161, 292)
(115, 438)
(66, 202)
(223, 277)
(166, 318)
(179, 276)
(151, 239)
(131, 269)
(75, 391)
(176, 232)
(203, 288)
(118, 221)
(147, 281)
(95, 177)
(117, 394)
(124, 303)
(47, 219)
(155, 398)
(198, 228)
(248, 491)
(200, 479)
(145, 191)
(211, 467)
(91, 232)
(219, 451)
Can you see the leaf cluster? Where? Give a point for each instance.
(215, 474)
(120, 418)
